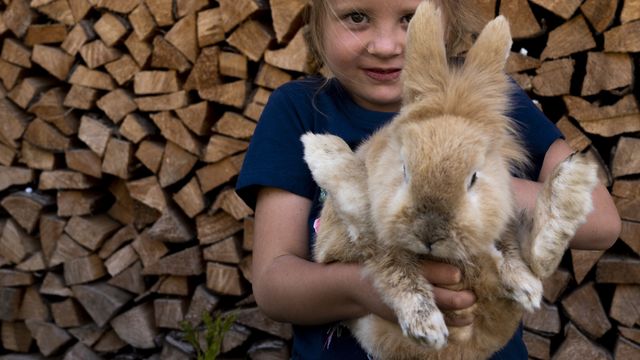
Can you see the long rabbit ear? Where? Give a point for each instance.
(426, 70)
(485, 61)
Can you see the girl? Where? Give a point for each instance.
(362, 43)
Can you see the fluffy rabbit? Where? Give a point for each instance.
(435, 183)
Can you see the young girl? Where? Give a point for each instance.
(362, 43)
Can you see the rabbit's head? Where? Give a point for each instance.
(441, 174)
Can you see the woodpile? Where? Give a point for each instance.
(123, 125)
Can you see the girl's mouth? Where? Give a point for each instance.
(383, 74)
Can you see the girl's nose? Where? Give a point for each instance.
(386, 43)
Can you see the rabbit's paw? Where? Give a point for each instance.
(527, 291)
(424, 325)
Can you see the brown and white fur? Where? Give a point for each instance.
(435, 183)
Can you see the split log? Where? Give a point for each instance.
(68, 313)
(201, 302)
(216, 227)
(100, 300)
(624, 163)
(184, 263)
(621, 117)
(564, 9)
(553, 77)
(169, 313)
(585, 310)
(143, 334)
(224, 279)
(16, 336)
(83, 270)
(49, 337)
(576, 345)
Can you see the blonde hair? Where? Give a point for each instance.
(463, 22)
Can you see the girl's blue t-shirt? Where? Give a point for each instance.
(275, 159)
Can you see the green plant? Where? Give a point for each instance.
(214, 331)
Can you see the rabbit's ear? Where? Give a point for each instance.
(488, 55)
(425, 70)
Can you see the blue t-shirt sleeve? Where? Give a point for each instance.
(275, 154)
(537, 131)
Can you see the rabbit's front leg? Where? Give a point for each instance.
(562, 206)
(401, 285)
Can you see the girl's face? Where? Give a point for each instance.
(363, 45)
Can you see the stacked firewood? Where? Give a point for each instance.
(123, 125)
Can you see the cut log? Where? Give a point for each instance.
(165, 55)
(149, 249)
(236, 11)
(94, 79)
(53, 284)
(84, 161)
(583, 261)
(7, 155)
(123, 69)
(49, 337)
(186, 7)
(117, 104)
(271, 77)
(183, 35)
(174, 285)
(578, 346)
(625, 306)
(600, 14)
(630, 11)
(628, 209)
(135, 127)
(553, 78)
(10, 299)
(252, 38)
(68, 313)
(176, 164)
(26, 207)
(16, 336)
(227, 251)
(97, 53)
(205, 72)
(569, 38)
(166, 102)
(35, 262)
(100, 300)
(196, 117)
(81, 97)
(11, 176)
(245, 267)
(15, 278)
(172, 227)
(150, 154)
(233, 65)
(585, 310)
(201, 302)
(46, 136)
(296, 56)
(83, 270)
(519, 12)
(538, 347)
(174, 130)
(118, 158)
(216, 174)
(220, 147)
(51, 228)
(28, 89)
(224, 279)
(287, 17)
(576, 139)
(109, 343)
(624, 162)
(66, 250)
(33, 306)
(81, 33)
(232, 94)
(45, 34)
(209, 27)
(58, 10)
(155, 82)
(229, 201)
(18, 16)
(247, 238)
(148, 191)
(16, 53)
(139, 50)
(111, 28)
(50, 108)
(621, 117)
(142, 21)
(87, 334)
(162, 11)
(626, 350)
(143, 334)
(169, 313)
(623, 38)
(545, 320)
(120, 260)
(80, 351)
(15, 243)
(618, 269)
(607, 71)
(190, 198)
(91, 231)
(121, 237)
(256, 319)
(630, 235)
(632, 334)
(130, 279)
(216, 227)
(187, 262)
(234, 125)
(10, 74)
(563, 8)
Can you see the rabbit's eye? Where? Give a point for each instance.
(474, 177)
(404, 173)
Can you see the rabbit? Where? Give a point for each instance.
(435, 183)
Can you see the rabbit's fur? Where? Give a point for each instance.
(435, 182)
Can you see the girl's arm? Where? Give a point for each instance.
(290, 288)
(603, 224)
